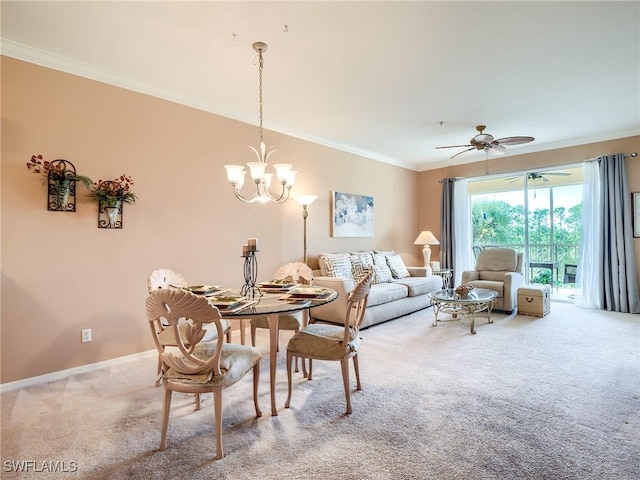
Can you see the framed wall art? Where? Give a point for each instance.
(353, 215)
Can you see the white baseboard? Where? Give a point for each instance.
(49, 377)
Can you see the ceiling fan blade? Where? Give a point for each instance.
(561, 174)
(496, 149)
(456, 146)
(460, 153)
(514, 140)
(513, 179)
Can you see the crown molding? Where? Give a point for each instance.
(539, 147)
(74, 67)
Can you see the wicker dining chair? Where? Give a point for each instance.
(333, 342)
(197, 367)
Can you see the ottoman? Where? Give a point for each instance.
(534, 300)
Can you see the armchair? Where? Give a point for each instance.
(500, 270)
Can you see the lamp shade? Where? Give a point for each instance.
(426, 238)
(306, 200)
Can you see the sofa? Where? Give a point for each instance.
(396, 289)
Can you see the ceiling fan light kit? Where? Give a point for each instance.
(487, 142)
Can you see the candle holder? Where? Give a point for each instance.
(249, 288)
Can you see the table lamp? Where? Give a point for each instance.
(426, 238)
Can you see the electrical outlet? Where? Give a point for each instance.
(86, 335)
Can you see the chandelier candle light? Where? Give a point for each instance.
(426, 238)
(236, 173)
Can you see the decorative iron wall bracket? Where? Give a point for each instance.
(109, 211)
(61, 192)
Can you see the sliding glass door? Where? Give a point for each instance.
(537, 213)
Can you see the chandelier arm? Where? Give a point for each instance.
(284, 196)
(251, 199)
(281, 198)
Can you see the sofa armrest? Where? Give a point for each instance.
(417, 271)
(334, 311)
(341, 285)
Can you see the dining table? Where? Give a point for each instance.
(271, 304)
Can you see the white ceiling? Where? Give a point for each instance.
(388, 80)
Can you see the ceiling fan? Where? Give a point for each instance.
(533, 176)
(486, 142)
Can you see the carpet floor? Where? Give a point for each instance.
(525, 398)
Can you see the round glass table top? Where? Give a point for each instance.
(474, 296)
(270, 303)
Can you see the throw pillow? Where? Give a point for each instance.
(361, 265)
(335, 265)
(381, 271)
(396, 264)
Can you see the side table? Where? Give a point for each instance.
(446, 276)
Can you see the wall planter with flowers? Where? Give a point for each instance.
(111, 196)
(60, 177)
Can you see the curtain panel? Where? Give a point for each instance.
(455, 228)
(618, 261)
(446, 224)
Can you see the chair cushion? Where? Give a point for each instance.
(285, 322)
(497, 260)
(335, 265)
(397, 266)
(323, 341)
(493, 276)
(235, 361)
(385, 293)
(495, 286)
(418, 285)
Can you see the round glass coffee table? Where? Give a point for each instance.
(448, 301)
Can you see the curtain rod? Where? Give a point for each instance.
(632, 155)
(597, 159)
(451, 179)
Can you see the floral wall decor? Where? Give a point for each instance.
(60, 177)
(111, 195)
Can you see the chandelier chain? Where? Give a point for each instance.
(261, 66)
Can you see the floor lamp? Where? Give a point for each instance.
(426, 238)
(305, 201)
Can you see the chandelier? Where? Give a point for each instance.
(257, 170)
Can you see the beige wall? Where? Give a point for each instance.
(60, 273)
(430, 190)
